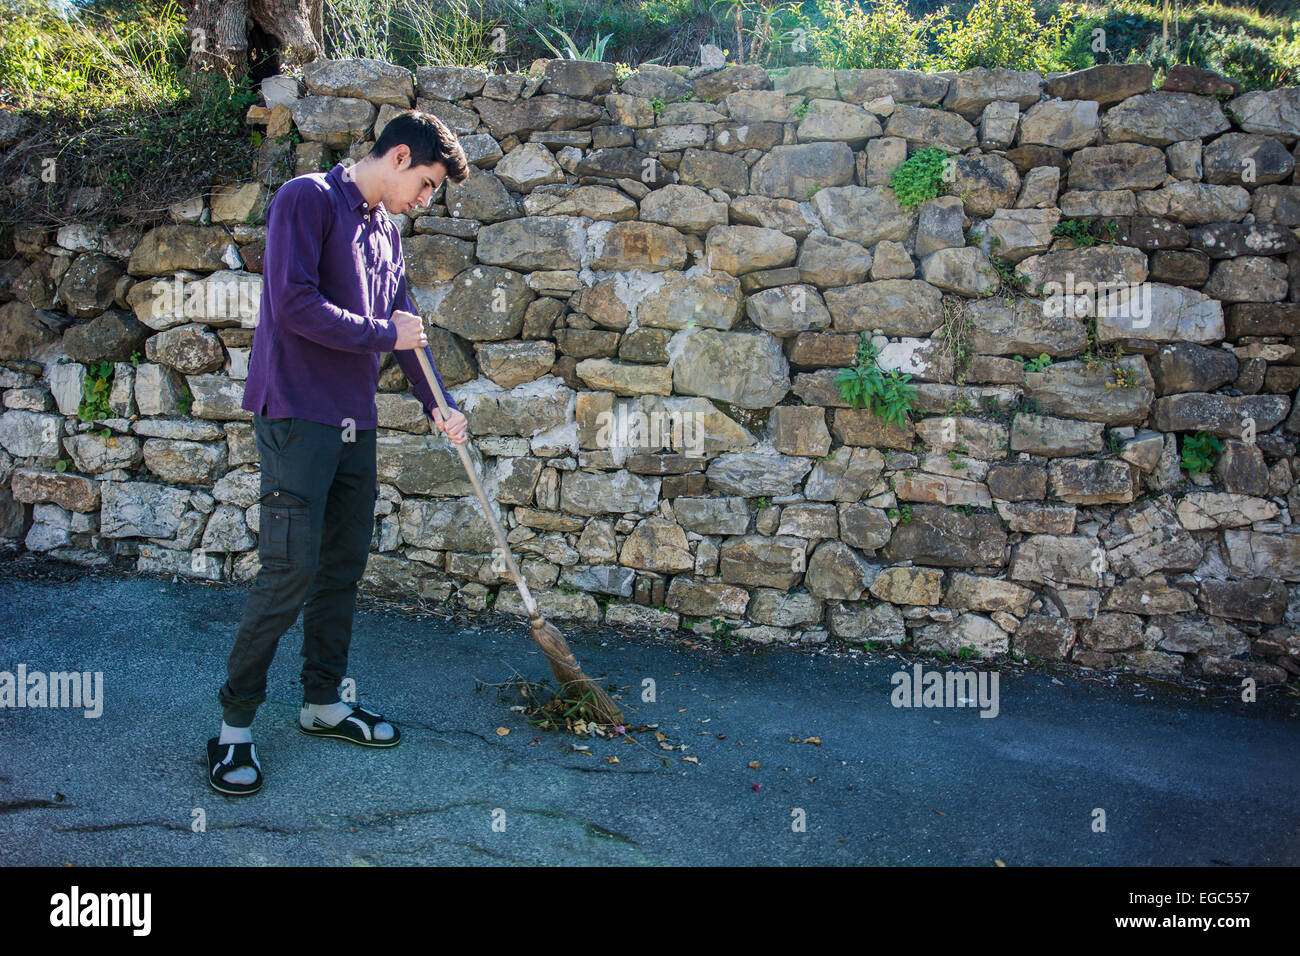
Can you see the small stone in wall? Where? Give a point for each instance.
(1195, 204)
(1159, 119)
(1186, 267)
(1241, 468)
(1072, 389)
(1248, 279)
(892, 306)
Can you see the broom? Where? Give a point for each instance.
(573, 682)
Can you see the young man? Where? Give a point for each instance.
(334, 298)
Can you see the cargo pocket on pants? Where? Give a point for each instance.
(285, 526)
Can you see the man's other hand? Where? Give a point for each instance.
(455, 427)
(410, 330)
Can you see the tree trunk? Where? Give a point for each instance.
(218, 37)
(297, 24)
(219, 31)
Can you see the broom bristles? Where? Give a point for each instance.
(573, 682)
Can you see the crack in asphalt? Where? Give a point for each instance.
(593, 830)
(129, 824)
(17, 805)
(376, 854)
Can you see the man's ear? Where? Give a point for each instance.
(401, 154)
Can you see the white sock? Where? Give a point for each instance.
(334, 714)
(237, 735)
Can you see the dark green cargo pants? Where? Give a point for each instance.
(316, 522)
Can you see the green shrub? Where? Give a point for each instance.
(1257, 63)
(1075, 51)
(920, 177)
(1126, 31)
(1000, 33)
(1258, 51)
(883, 35)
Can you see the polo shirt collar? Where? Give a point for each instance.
(351, 193)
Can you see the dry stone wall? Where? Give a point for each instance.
(641, 297)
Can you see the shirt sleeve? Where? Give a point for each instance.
(411, 365)
(296, 225)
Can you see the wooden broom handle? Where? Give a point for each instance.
(529, 603)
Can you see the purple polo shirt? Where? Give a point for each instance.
(332, 274)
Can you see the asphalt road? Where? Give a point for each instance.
(1184, 776)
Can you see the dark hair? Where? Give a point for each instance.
(429, 140)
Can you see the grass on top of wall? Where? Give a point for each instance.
(119, 132)
(119, 112)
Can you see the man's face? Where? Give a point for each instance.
(411, 187)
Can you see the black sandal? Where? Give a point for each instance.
(359, 728)
(223, 758)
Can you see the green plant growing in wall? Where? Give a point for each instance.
(1034, 365)
(963, 406)
(920, 177)
(1125, 377)
(95, 389)
(1003, 268)
(1200, 452)
(722, 631)
(866, 385)
(1097, 355)
(1087, 232)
